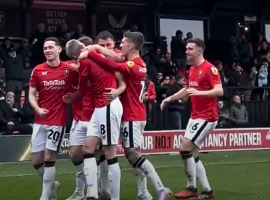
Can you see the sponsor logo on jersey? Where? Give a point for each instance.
(54, 83)
(193, 83)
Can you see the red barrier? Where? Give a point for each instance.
(242, 139)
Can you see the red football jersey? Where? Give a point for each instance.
(52, 84)
(131, 99)
(77, 104)
(88, 103)
(99, 78)
(204, 77)
(134, 74)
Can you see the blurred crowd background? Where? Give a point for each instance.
(242, 61)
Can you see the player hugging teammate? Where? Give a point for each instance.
(99, 116)
(204, 86)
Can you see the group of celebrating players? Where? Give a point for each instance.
(105, 87)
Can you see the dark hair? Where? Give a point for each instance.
(136, 38)
(178, 32)
(199, 42)
(86, 40)
(53, 39)
(104, 35)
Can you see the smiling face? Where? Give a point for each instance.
(193, 51)
(51, 50)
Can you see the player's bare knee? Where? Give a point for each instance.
(110, 151)
(90, 145)
(132, 155)
(76, 153)
(186, 145)
(38, 158)
(49, 155)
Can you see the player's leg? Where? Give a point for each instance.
(90, 164)
(131, 135)
(109, 123)
(55, 135)
(38, 143)
(195, 133)
(102, 173)
(207, 192)
(77, 138)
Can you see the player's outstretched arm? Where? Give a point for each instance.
(33, 98)
(181, 94)
(108, 63)
(121, 83)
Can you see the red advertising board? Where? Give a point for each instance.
(165, 142)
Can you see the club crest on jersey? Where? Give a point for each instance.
(66, 72)
(130, 63)
(214, 70)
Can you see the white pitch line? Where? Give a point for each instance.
(157, 167)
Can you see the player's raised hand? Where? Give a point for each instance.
(193, 92)
(164, 103)
(111, 94)
(68, 98)
(43, 112)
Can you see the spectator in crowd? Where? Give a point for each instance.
(175, 108)
(78, 32)
(223, 115)
(26, 73)
(162, 89)
(14, 65)
(189, 36)
(159, 80)
(260, 79)
(245, 52)
(25, 48)
(61, 31)
(157, 58)
(253, 74)
(28, 113)
(2, 72)
(6, 44)
(11, 116)
(170, 66)
(149, 97)
(39, 36)
(2, 93)
(238, 112)
(235, 57)
(262, 48)
(178, 50)
(151, 70)
(238, 78)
